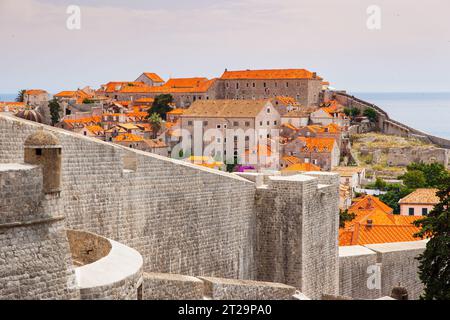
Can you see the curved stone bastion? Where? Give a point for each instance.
(106, 269)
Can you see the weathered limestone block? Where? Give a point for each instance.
(164, 286)
(228, 289)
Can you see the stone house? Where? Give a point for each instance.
(151, 79)
(35, 98)
(330, 131)
(254, 122)
(331, 112)
(323, 152)
(419, 202)
(285, 104)
(304, 86)
(297, 118)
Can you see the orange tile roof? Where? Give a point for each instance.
(318, 144)
(290, 159)
(145, 100)
(302, 167)
(116, 86)
(128, 137)
(65, 94)
(176, 111)
(95, 129)
(35, 92)
(421, 196)
(154, 77)
(384, 226)
(289, 101)
(269, 74)
(84, 121)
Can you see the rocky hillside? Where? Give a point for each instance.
(387, 156)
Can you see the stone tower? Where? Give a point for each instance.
(35, 259)
(43, 149)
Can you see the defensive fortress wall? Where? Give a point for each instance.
(182, 218)
(372, 271)
(386, 124)
(145, 218)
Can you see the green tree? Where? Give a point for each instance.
(394, 193)
(352, 112)
(161, 105)
(88, 101)
(345, 216)
(55, 110)
(379, 184)
(155, 121)
(371, 114)
(434, 263)
(20, 96)
(434, 173)
(414, 179)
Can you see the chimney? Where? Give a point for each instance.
(369, 223)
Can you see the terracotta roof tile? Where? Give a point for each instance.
(269, 74)
(421, 196)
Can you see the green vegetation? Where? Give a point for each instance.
(371, 114)
(20, 96)
(345, 216)
(88, 101)
(419, 175)
(352, 112)
(434, 173)
(161, 105)
(434, 263)
(55, 110)
(155, 121)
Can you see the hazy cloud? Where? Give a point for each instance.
(118, 40)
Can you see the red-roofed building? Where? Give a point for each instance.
(322, 152)
(376, 223)
(151, 79)
(303, 85)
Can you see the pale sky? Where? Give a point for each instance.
(119, 40)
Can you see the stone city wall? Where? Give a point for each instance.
(398, 265)
(178, 287)
(182, 218)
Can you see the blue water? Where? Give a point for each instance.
(427, 112)
(8, 97)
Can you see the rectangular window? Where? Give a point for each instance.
(424, 211)
(247, 124)
(235, 123)
(268, 123)
(411, 211)
(260, 123)
(287, 84)
(205, 123)
(254, 85)
(275, 123)
(189, 123)
(39, 152)
(247, 138)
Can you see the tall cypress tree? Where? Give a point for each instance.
(434, 268)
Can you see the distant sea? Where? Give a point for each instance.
(428, 112)
(8, 97)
